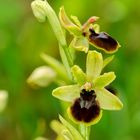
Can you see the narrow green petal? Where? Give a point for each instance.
(94, 121)
(107, 100)
(104, 80)
(79, 75)
(76, 21)
(89, 23)
(80, 43)
(73, 131)
(67, 93)
(67, 23)
(108, 60)
(94, 64)
(96, 27)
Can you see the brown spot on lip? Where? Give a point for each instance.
(85, 108)
(103, 41)
(84, 34)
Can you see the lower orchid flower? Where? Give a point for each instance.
(89, 96)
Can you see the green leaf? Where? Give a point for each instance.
(79, 75)
(104, 80)
(67, 93)
(107, 100)
(94, 64)
(73, 131)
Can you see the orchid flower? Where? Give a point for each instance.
(88, 96)
(87, 34)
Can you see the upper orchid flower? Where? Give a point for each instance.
(89, 96)
(87, 33)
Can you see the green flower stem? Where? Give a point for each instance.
(42, 9)
(85, 131)
(64, 53)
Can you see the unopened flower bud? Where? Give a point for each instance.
(3, 99)
(38, 7)
(40, 138)
(41, 76)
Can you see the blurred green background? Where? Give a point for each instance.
(22, 39)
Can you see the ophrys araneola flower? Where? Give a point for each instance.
(89, 96)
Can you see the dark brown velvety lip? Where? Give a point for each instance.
(85, 108)
(103, 41)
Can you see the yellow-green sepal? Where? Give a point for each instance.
(107, 100)
(68, 24)
(79, 75)
(76, 21)
(104, 80)
(94, 64)
(67, 93)
(80, 43)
